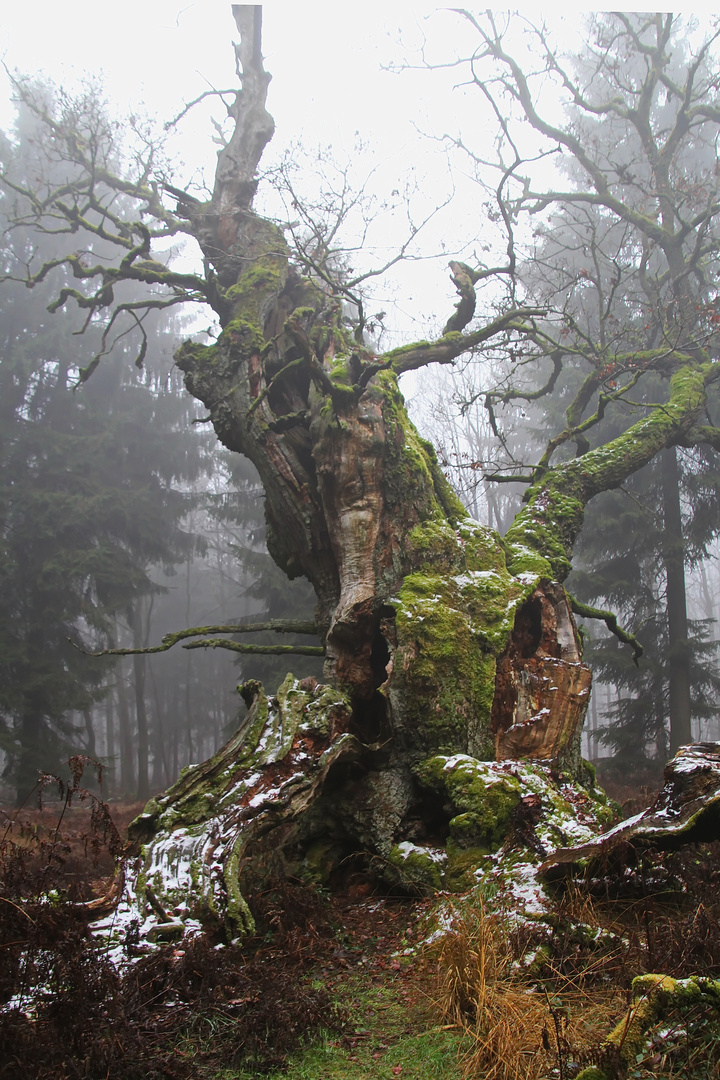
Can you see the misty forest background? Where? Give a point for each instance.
(122, 518)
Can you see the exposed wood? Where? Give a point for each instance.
(542, 687)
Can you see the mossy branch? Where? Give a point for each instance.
(237, 646)
(422, 353)
(702, 433)
(278, 626)
(585, 611)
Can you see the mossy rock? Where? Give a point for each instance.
(418, 866)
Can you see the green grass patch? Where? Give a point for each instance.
(390, 1034)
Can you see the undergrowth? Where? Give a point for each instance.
(66, 1012)
(537, 1000)
(513, 1000)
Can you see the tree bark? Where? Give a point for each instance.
(416, 603)
(127, 752)
(29, 756)
(444, 643)
(90, 749)
(110, 772)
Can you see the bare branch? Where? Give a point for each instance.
(585, 611)
(279, 626)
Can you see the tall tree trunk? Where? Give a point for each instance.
(678, 645)
(110, 773)
(30, 739)
(143, 745)
(160, 774)
(127, 750)
(33, 754)
(90, 746)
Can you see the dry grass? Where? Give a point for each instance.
(520, 1026)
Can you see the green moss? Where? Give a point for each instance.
(319, 861)
(417, 866)
(654, 997)
(340, 372)
(264, 277)
(449, 676)
(320, 708)
(591, 771)
(436, 544)
(404, 350)
(309, 710)
(462, 863)
(454, 616)
(484, 800)
(408, 475)
(592, 1072)
(244, 336)
(193, 355)
(328, 330)
(450, 503)
(540, 539)
(238, 917)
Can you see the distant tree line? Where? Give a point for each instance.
(115, 526)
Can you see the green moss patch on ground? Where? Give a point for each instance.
(369, 965)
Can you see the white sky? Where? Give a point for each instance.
(328, 86)
(326, 60)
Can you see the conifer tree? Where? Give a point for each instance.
(88, 495)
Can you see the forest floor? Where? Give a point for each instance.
(332, 987)
(355, 985)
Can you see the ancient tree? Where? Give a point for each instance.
(445, 644)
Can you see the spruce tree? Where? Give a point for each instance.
(89, 502)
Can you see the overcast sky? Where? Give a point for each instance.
(326, 60)
(329, 84)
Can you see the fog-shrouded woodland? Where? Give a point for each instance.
(313, 627)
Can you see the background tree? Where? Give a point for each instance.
(629, 256)
(623, 562)
(89, 499)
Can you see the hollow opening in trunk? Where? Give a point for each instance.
(527, 632)
(379, 659)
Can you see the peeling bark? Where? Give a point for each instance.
(686, 811)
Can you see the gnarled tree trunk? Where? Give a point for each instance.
(441, 638)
